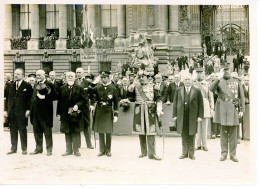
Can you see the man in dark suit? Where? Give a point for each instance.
(8, 83)
(173, 87)
(71, 98)
(106, 112)
(57, 83)
(187, 111)
(17, 109)
(41, 117)
(161, 87)
(180, 60)
(86, 85)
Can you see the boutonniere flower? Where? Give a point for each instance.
(110, 96)
(25, 90)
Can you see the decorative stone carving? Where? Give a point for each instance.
(184, 22)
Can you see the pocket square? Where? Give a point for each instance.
(25, 90)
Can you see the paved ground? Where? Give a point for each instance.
(124, 167)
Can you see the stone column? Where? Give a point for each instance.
(161, 18)
(120, 42)
(8, 27)
(173, 18)
(62, 41)
(33, 44)
(141, 17)
(91, 15)
(121, 21)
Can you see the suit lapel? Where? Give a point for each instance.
(191, 93)
(21, 87)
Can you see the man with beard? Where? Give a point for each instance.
(187, 113)
(41, 117)
(106, 98)
(229, 107)
(71, 101)
(148, 102)
(17, 109)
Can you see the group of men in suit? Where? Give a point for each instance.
(193, 105)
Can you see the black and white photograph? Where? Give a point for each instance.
(115, 92)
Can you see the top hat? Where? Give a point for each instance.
(104, 74)
(43, 89)
(32, 75)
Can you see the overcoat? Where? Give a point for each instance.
(106, 98)
(196, 109)
(43, 108)
(229, 92)
(172, 89)
(20, 99)
(66, 100)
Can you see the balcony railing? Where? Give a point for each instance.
(48, 42)
(19, 43)
(105, 43)
(75, 43)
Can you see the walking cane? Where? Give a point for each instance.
(160, 126)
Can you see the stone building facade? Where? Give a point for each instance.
(52, 37)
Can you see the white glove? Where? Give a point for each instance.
(41, 96)
(115, 119)
(240, 114)
(220, 74)
(199, 119)
(168, 103)
(58, 116)
(27, 113)
(75, 108)
(5, 114)
(174, 119)
(91, 107)
(212, 112)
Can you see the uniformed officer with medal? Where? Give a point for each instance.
(229, 106)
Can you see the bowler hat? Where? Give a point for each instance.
(32, 75)
(43, 89)
(105, 74)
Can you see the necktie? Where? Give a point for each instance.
(17, 85)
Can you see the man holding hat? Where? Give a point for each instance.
(72, 99)
(106, 98)
(41, 116)
(208, 104)
(229, 107)
(149, 103)
(17, 110)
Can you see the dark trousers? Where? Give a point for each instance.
(105, 143)
(188, 144)
(151, 144)
(16, 126)
(39, 129)
(72, 142)
(228, 139)
(215, 128)
(87, 134)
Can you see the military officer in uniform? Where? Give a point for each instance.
(106, 112)
(208, 104)
(229, 107)
(148, 104)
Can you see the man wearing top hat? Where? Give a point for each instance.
(86, 85)
(41, 116)
(106, 112)
(71, 101)
(17, 109)
(148, 107)
(208, 104)
(230, 105)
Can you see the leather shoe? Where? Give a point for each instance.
(223, 158)
(66, 154)
(234, 159)
(198, 148)
(142, 155)
(24, 152)
(11, 152)
(35, 152)
(192, 157)
(49, 153)
(205, 148)
(213, 136)
(91, 147)
(182, 157)
(155, 157)
(101, 154)
(108, 154)
(77, 154)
